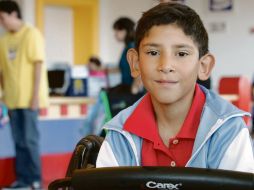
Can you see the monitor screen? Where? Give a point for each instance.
(56, 78)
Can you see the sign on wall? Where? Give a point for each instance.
(220, 5)
(165, 1)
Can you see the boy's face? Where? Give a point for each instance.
(120, 35)
(6, 20)
(168, 62)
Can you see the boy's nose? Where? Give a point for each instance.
(166, 65)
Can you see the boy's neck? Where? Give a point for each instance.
(170, 117)
(17, 25)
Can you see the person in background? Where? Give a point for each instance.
(178, 123)
(96, 113)
(124, 33)
(97, 78)
(25, 90)
(94, 65)
(252, 98)
(4, 118)
(124, 30)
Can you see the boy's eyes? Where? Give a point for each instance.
(182, 54)
(152, 52)
(178, 54)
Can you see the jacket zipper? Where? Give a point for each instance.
(214, 128)
(133, 147)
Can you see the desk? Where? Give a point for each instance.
(66, 108)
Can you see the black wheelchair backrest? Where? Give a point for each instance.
(139, 178)
(81, 175)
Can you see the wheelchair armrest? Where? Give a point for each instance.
(60, 183)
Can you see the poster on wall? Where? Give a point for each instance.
(179, 1)
(165, 1)
(156, 2)
(221, 5)
(217, 27)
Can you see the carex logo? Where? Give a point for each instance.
(170, 186)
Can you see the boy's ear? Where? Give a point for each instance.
(206, 65)
(133, 60)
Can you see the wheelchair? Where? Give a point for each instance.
(82, 175)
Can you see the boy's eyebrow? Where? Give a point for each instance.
(175, 46)
(184, 46)
(151, 44)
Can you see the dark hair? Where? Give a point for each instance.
(95, 60)
(10, 6)
(174, 13)
(127, 24)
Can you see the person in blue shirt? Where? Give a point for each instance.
(121, 95)
(124, 32)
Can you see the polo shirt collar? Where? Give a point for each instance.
(142, 121)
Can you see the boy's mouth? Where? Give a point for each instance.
(166, 81)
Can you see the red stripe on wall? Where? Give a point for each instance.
(64, 110)
(83, 109)
(6, 171)
(54, 166)
(43, 112)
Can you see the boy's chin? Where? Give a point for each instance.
(165, 99)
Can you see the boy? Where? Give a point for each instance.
(24, 83)
(177, 123)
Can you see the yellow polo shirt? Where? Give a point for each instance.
(18, 53)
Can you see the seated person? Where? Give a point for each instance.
(252, 96)
(177, 123)
(95, 67)
(97, 76)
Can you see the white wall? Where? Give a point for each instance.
(110, 10)
(234, 49)
(28, 11)
(59, 34)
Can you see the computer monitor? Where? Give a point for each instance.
(58, 78)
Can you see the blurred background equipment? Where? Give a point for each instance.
(59, 75)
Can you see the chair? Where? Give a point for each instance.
(237, 90)
(118, 98)
(110, 102)
(82, 176)
(84, 156)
